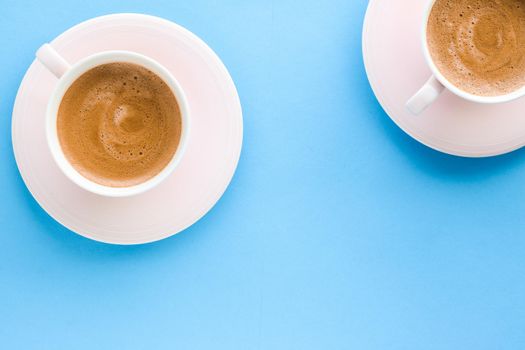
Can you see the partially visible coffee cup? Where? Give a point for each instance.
(476, 49)
(117, 122)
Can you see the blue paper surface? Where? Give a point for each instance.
(338, 230)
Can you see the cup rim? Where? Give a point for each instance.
(449, 85)
(70, 76)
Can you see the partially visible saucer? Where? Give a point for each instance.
(396, 69)
(211, 155)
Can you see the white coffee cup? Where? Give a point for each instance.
(437, 82)
(67, 74)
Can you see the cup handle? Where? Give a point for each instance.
(52, 60)
(425, 96)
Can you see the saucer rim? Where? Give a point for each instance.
(73, 223)
(443, 146)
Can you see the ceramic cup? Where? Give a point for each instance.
(66, 75)
(437, 82)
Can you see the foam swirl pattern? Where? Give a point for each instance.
(479, 45)
(119, 124)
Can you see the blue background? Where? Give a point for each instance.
(337, 232)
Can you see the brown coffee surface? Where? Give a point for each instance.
(479, 45)
(119, 124)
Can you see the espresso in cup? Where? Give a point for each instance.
(119, 124)
(479, 45)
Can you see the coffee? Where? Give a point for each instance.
(119, 124)
(479, 45)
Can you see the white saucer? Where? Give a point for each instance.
(396, 69)
(208, 164)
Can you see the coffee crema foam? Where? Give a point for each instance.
(479, 45)
(119, 124)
